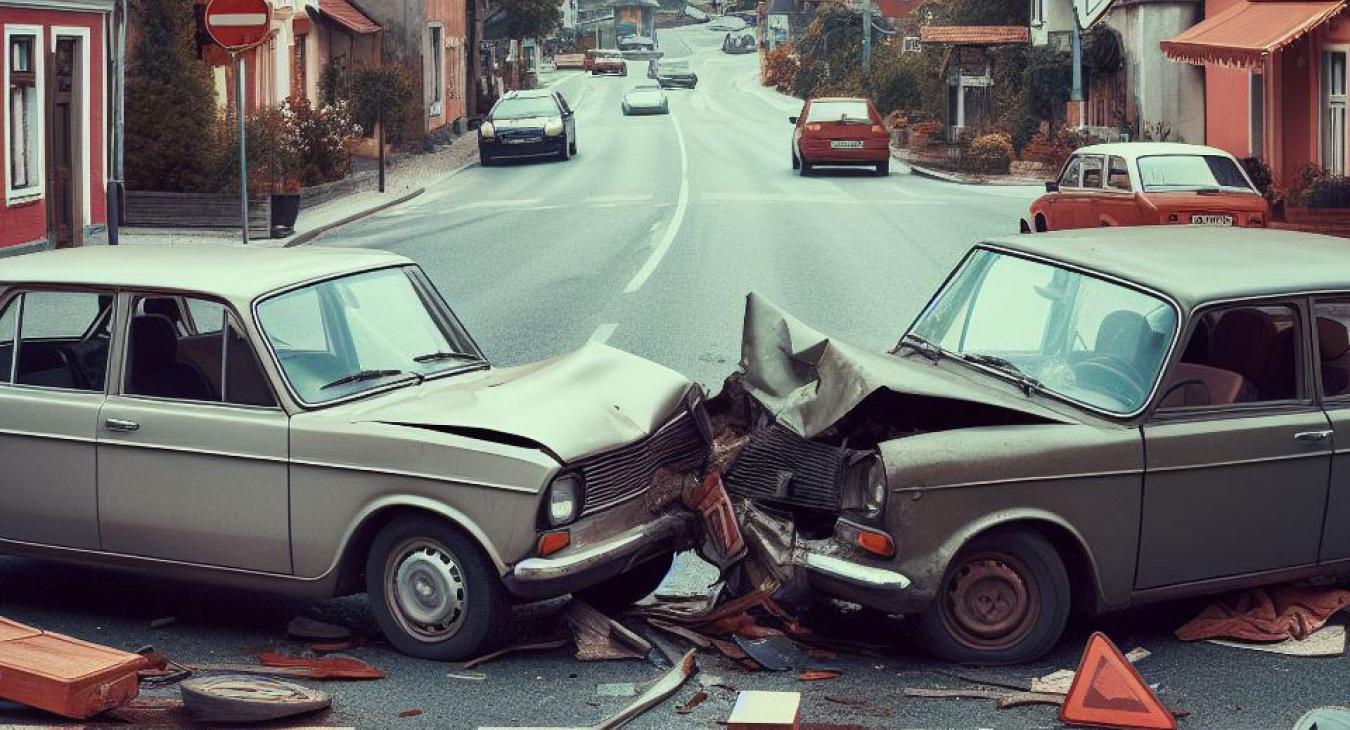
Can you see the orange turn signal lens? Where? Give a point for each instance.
(873, 541)
(878, 129)
(552, 542)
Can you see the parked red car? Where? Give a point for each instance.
(604, 61)
(1148, 183)
(840, 131)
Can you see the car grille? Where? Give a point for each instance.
(627, 471)
(521, 135)
(782, 467)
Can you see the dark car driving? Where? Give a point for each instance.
(674, 73)
(533, 123)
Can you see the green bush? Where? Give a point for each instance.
(1259, 172)
(387, 89)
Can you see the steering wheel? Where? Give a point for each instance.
(1116, 375)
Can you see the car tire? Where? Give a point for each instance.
(803, 167)
(1017, 572)
(629, 587)
(565, 152)
(433, 592)
(572, 147)
(485, 159)
(884, 168)
(796, 163)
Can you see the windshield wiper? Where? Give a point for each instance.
(1027, 382)
(437, 356)
(919, 345)
(362, 375)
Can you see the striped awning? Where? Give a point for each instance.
(1246, 34)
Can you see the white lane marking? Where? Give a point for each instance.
(603, 332)
(620, 198)
(520, 203)
(681, 205)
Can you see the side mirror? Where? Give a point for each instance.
(1051, 186)
(792, 120)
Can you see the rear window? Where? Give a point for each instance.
(836, 111)
(1162, 173)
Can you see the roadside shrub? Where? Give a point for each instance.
(324, 137)
(781, 67)
(1323, 190)
(990, 153)
(1050, 148)
(1259, 172)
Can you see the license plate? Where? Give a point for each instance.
(846, 144)
(1212, 220)
(523, 140)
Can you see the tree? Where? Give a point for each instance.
(530, 18)
(171, 120)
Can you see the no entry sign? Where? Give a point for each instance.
(238, 24)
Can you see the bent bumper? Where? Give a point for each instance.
(573, 570)
(825, 565)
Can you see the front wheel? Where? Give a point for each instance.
(628, 588)
(1004, 600)
(433, 592)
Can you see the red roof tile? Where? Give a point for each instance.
(347, 15)
(975, 35)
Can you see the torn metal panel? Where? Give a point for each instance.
(664, 687)
(599, 637)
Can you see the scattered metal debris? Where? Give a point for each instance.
(242, 699)
(655, 694)
(536, 646)
(697, 699)
(756, 710)
(600, 637)
(304, 627)
(467, 677)
(333, 667)
(774, 653)
(816, 675)
(411, 712)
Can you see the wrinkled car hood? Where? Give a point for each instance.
(573, 406)
(809, 381)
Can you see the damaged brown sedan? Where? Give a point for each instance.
(1087, 419)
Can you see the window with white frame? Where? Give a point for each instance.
(911, 44)
(23, 112)
(1333, 111)
(436, 68)
(1037, 13)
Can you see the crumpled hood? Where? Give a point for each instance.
(575, 405)
(810, 381)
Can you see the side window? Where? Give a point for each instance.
(1092, 172)
(1118, 174)
(177, 348)
(9, 320)
(1069, 178)
(1333, 346)
(62, 340)
(1242, 354)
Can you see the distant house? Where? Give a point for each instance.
(969, 66)
(1275, 81)
(431, 38)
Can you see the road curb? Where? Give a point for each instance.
(308, 236)
(956, 179)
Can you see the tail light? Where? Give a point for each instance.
(813, 127)
(878, 129)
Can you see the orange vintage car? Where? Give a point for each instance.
(1148, 183)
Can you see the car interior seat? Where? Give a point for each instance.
(1333, 342)
(154, 366)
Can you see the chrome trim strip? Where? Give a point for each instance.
(862, 575)
(1017, 480)
(627, 542)
(192, 450)
(53, 436)
(415, 475)
(1242, 462)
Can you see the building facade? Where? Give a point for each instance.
(53, 157)
(431, 38)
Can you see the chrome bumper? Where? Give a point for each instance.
(823, 565)
(585, 566)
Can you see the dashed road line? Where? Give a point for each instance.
(602, 333)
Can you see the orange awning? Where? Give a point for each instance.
(975, 35)
(1246, 34)
(348, 16)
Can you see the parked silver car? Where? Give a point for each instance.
(318, 422)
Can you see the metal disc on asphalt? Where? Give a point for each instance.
(242, 698)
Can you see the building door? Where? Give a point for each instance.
(65, 158)
(1333, 111)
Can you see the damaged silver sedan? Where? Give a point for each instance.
(1088, 419)
(318, 422)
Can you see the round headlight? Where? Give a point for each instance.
(553, 128)
(487, 130)
(564, 499)
(874, 486)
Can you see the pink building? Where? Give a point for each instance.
(1275, 80)
(53, 67)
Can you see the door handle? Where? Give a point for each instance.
(1312, 435)
(117, 424)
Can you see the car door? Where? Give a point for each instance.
(1238, 453)
(1116, 204)
(192, 448)
(51, 390)
(1331, 322)
(569, 119)
(1088, 198)
(1060, 204)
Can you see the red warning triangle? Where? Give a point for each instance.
(1108, 692)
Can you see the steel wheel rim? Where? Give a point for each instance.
(989, 602)
(425, 590)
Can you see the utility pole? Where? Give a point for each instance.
(119, 82)
(243, 146)
(867, 31)
(1076, 51)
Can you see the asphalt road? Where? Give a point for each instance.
(650, 239)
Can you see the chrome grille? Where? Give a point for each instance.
(628, 470)
(782, 467)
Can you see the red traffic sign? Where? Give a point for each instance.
(238, 24)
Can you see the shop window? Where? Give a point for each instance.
(23, 113)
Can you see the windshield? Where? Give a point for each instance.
(835, 111)
(1090, 340)
(525, 106)
(344, 336)
(673, 66)
(1160, 173)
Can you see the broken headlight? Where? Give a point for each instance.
(564, 499)
(866, 486)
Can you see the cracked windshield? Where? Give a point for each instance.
(842, 364)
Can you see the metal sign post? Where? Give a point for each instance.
(239, 70)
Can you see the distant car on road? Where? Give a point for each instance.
(840, 131)
(531, 123)
(1148, 183)
(646, 98)
(738, 43)
(698, 15)
(636, 43)
(670, 73)
(605, 61)
(726, 23)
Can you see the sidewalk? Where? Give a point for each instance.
(405, 178)
(903, 155)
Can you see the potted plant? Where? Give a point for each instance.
(277, 165)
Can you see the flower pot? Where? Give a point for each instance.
(285, 209)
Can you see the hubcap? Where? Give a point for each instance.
(426, 589)
(989, 604)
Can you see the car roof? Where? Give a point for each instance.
(837, 98)
(529, 94)
(233, 272)
(1197, 265)
(1144, 149)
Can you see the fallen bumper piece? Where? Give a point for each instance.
(63, 675)
(240, 698)
(664, 687)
